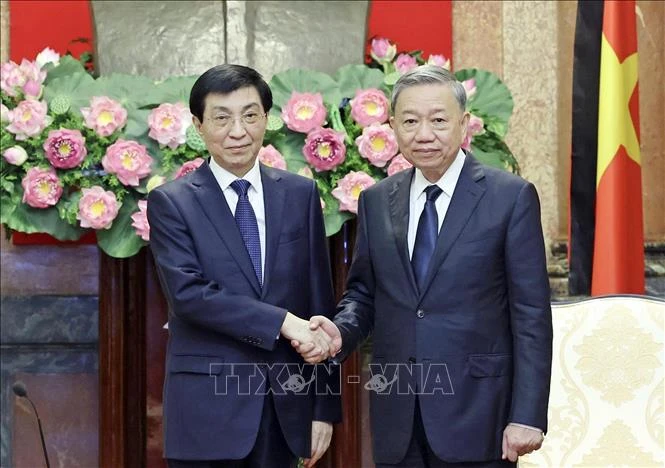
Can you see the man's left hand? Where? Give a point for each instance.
(321, 435)
(518, 441)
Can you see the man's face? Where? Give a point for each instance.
(430, 127)
(233, 127)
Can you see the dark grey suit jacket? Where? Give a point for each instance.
(476, 343)
(223, 352)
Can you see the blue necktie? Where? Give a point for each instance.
(249, 228)
(426, 235)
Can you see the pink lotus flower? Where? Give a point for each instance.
(14, 78)
(306, 172)
(348, 190)
(473, 128)
(439, 60)
(97, 208)
(28, 119)
(34, 77)
(269, 156)
(168, 124)
(469, 87)
(41, 187)
(324, 149)
(369, 106)
(405, 63)
(104, 115)
(15, 155)
(189, 166)
(304, 112)
(11, 78)
(140, 221)
(47, 55)
(398, 164)
(128, 160)
(65, 148)
(382, 50)
(32, 90)
(377, 144)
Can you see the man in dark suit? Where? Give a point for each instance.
(241, 254)
(449, 276)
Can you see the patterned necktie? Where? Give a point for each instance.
(249, 228)
(426, 235)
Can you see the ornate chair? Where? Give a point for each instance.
(606, 402)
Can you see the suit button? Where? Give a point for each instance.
(420, 313)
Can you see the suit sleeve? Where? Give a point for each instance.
(355, 312)
(530, 311)
(196, 299)
(327, 404)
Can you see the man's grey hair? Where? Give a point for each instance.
(429, 74)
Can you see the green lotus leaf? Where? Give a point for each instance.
(120, 240)
(172, 90)
(290, 146)
(492, 97)
(77, 88)
(354, 77)
(334, 219)
(131, 91)
(30, 220)
(303, 81)
(67, 66)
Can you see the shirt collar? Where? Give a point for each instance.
(448, 180)
(226, 178)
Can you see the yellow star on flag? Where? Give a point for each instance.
(615, 125)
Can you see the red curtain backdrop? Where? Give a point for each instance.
(34, 25)
(413, 25)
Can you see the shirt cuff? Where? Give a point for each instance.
(525, 426)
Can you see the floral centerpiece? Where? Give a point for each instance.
(81, 154)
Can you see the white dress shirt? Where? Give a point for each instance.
(417, 196)
(254, 194)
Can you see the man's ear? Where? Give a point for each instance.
(465, 121)
(391, 121)
(197, 123)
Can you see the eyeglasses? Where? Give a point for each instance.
(225, 121)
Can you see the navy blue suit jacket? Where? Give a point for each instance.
(480, 331)
(222, 323)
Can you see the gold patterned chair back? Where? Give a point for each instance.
(606, 402)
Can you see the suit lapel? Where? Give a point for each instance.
(211, 198)
(399, 214)
(462, 205)
(273, 197)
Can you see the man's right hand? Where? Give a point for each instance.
(308, 351)
(317, 342)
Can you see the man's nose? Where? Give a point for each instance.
(424, 132)
(237, 128)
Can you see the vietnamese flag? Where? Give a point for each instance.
(616, 259)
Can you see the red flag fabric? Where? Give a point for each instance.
(618, 260)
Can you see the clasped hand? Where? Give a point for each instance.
(316, 340)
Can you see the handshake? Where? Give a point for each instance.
(315, 340)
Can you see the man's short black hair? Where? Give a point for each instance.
(225, 79)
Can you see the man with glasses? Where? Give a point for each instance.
(449, 277)
(240, 249)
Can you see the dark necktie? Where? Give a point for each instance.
(426, 235)
(249, 228)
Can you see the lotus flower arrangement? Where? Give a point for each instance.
(81, 154)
